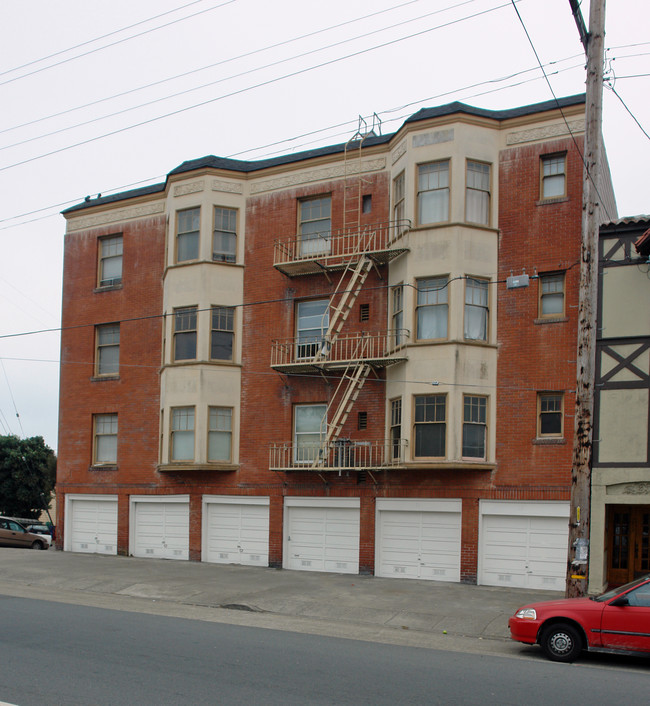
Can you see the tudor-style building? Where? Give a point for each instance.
(620, 482)
(353, 359)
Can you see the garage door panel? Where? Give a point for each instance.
(320, 538)
(161, 530)
(418, 544)
(93, 526)
(237, 533)
(524, 551)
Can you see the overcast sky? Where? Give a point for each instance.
(99, 97)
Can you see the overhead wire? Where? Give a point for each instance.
(219, 63)
(119, 41)
(268, 82)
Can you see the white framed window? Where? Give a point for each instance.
(477, 193)
(105, 439)
(107, 354)
(110, 261)
(553, 176)
(476, 309)
(397, 314)
(474, 426)
(309, 432)
(551, 295)
(430, 426)
(433, 192)
(550, 414)
(315, 225)
(182, 434)
(185, 333)
(188, 226)
(224, 236)
(432, 309)
(396, 428)
(219, 434)
(222, 334)
(312, 321)
(399, 202)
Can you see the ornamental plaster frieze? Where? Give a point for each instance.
(194, 187)
(545, 133)
(229, 187)
(433, 138)
(400, 151)
(335, 172)
(122, 214)
(642, 488)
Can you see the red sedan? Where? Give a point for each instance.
(616, 620)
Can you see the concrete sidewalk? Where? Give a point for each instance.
(398, 604)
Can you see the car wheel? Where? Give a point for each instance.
(37, 545)
(561, 642)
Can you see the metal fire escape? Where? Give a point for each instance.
(353, 251)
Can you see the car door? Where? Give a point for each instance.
(5, 534)
(19, 537)
(626, 626)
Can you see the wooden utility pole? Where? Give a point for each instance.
(579, 522)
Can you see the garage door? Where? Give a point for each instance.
(160, 528)
(523, 545)
(91, 524)
(236, 530)
(322, 534)
(418, 539)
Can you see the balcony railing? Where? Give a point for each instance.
(379, 349)
(340, 455)
(315, 252)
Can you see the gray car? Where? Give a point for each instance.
(13, 534)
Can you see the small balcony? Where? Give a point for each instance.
(299, 354)
(340, 455)
(332, 250)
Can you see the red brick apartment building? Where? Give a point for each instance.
(354, 359)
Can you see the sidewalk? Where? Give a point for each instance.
(401, 604)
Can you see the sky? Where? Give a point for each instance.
(100, 97)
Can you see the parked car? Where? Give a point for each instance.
(13, 534)
(39, 528)
(617, 620)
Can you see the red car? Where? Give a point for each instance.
(618, 620)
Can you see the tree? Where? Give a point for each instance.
(27, 476)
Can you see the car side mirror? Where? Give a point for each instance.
(621, 601)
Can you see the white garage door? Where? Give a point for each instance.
(322, 534)
(91, 524)
(523, 545)
(161, 528)
(236, 530)
(418, 539)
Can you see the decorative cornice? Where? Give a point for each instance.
(229, 187)
(400, 150)
(115, 216)
(334, 172)
(546, 132)
(641, 488)
(433, 138)
(193, 187)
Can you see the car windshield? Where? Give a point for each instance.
(608, 595)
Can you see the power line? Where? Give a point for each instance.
(119, 41)
(228, 78)
(613, 90)
(249, 88)
(306, 134)
(218, 63)
(602, 202)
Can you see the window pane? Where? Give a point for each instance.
(221, 348)
(219, 446)
(430, 440)
(552, 304)
(551, 423)
(183, 434)
(474, 440)
(109, 360)
(106, 449)
(434, 206)
(432, 322)
(188, 247)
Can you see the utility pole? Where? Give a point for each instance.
(579, 522)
